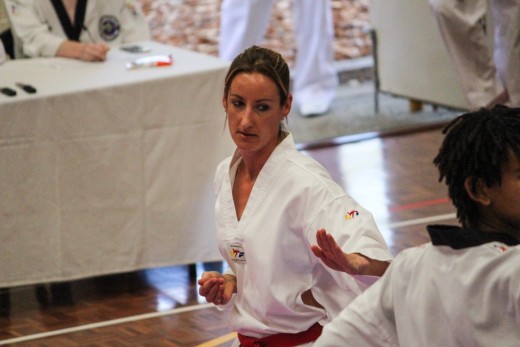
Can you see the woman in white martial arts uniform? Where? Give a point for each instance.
(81, 29)
(463, 288)
(270, 202)
(244, 22)
(489, 73)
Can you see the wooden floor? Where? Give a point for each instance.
(391, 176)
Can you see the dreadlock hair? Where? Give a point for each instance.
(476, 145)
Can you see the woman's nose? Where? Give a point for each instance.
(248, 115)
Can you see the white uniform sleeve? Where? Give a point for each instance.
(355, 231)
(353, 228)
(32, 30)
(367, 321)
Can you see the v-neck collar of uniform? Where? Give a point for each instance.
(73, 31)
(264, 177)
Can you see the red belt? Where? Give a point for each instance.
(282, 339)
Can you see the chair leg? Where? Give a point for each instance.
(373, 37)
(192, 271)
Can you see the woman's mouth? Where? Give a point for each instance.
(246, 134)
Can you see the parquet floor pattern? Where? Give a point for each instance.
(392, 176)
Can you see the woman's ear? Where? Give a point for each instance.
(224, 104)
(477, 191)
(288, 104)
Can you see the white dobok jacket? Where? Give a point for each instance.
(462, 289)
(269, 248)
(37, 24)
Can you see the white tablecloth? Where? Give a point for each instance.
(106, 170)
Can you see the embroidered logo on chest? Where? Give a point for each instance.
(109, 27)
(499, 247)
(236, 253)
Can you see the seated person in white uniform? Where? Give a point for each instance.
(80, 29)
(244, 22)
(462, 288)
(270, 201)
(489, 72)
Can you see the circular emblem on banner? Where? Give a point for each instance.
(109, 27)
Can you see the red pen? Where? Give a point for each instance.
(152, 61)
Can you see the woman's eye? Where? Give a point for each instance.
(237, 103)
(263, 108)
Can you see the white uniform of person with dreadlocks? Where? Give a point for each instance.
(462, 288)
(270, 202)
(81, 29)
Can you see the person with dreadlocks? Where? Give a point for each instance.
(462, 288)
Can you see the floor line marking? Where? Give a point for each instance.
(219, 340)
(416, 221)
(189, 308)
(105, 323)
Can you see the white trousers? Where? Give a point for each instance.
(484, 69)
(244, 22)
